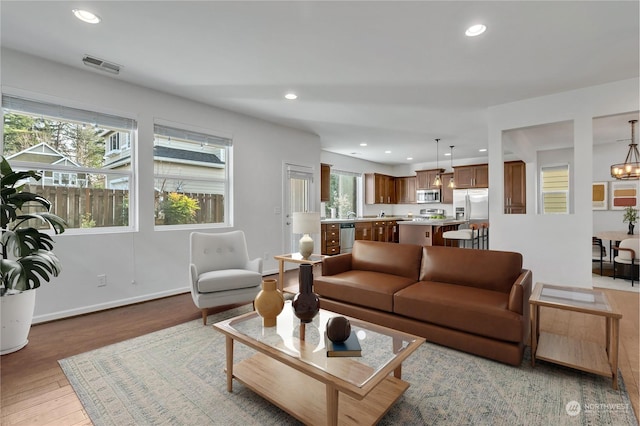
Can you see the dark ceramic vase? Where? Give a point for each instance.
(306, 303)
(631, 226)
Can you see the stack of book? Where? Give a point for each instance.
(350, 347)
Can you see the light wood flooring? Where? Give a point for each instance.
(34, 390)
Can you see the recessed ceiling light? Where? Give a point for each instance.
(291, 96)
(475, 30)
(387, 152)
(86, 16)
(483, 150)
(363, 144)
(447, 154)
(409, 158)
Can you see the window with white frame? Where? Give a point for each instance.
(68, 146)
(554, 185)
(191, 177)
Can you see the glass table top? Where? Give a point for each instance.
(377, 343)
(572, 296)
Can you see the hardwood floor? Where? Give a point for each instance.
(36, 392)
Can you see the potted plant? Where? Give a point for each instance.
(630, 216)
(27, 256)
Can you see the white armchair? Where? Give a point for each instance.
(221, 271)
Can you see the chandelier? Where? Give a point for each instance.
(630, 169)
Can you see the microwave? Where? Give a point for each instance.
(424, 196)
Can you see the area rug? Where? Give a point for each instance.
(176, 377)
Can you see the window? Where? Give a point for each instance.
(191, 177)
(555, 189)
(69, 148)
(118, 141)
(343, 194)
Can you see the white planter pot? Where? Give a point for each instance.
(16, 314)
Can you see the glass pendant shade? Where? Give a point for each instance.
(630, 169)
(452, 184)
(437, 181)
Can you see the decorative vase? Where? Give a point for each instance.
(306, 303)
(631, 226)
(269, 302)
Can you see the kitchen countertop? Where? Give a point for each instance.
(365, 219)
(434, 222)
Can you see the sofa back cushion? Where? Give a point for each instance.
(390, 258)
(488, 269)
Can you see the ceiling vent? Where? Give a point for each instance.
(101, 64)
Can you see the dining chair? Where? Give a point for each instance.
(598, 252)
(627, 254)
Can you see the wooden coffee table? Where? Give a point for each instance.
(297, 376)
(565, 350)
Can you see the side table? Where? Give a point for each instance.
(294, 258)
(570, 352)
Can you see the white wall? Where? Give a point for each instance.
(147, 263)
(555, 247)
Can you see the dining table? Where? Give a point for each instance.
(614, 237)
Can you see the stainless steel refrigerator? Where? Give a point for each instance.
(471, 204)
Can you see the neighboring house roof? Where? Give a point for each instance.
(42, 153)
(182, 154)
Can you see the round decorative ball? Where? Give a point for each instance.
(338, 329)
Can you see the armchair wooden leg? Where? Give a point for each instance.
(204, 317)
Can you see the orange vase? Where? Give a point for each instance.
(269, 302)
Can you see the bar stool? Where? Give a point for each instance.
(469, 234)
(484, 235)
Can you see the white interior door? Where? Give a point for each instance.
(298, 197)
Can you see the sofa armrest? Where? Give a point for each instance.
(332, 265)
(254, 265)
(520, 293)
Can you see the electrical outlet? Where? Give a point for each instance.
(102, 280)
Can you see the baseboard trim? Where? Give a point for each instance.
(108, 305)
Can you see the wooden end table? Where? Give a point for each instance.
(294, 258)
(565, 350)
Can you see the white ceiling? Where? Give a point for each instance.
(394, 75)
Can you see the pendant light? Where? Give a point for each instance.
(437, 181)
(630, 169)
(452, 184)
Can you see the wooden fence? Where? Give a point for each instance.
(110, 207)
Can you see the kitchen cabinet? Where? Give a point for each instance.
(425, 178)
(330, 236)
(385, 231)
(475, 176)
(406, 190)
(379, 189)
(391, 231)
(447, 193)
(325, 181)
(515, 187)
(363, 230)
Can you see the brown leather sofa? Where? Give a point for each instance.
(471, 300)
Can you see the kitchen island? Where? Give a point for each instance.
(426, 232)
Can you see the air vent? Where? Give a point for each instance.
(101, 64)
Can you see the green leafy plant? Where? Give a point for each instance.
(179, 209)
(27, 256)
(630, 215)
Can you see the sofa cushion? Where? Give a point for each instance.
(365, 288)
(463, 308)
(389, 258)
(485, 269)
(228, 279)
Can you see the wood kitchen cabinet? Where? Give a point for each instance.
(515, 187)
(475, 176)
(406, 190)
(363, 231)
(425, 178)
(391, 230)
(447, 193)
(330, 235)
(379, 189)
(325, 181)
